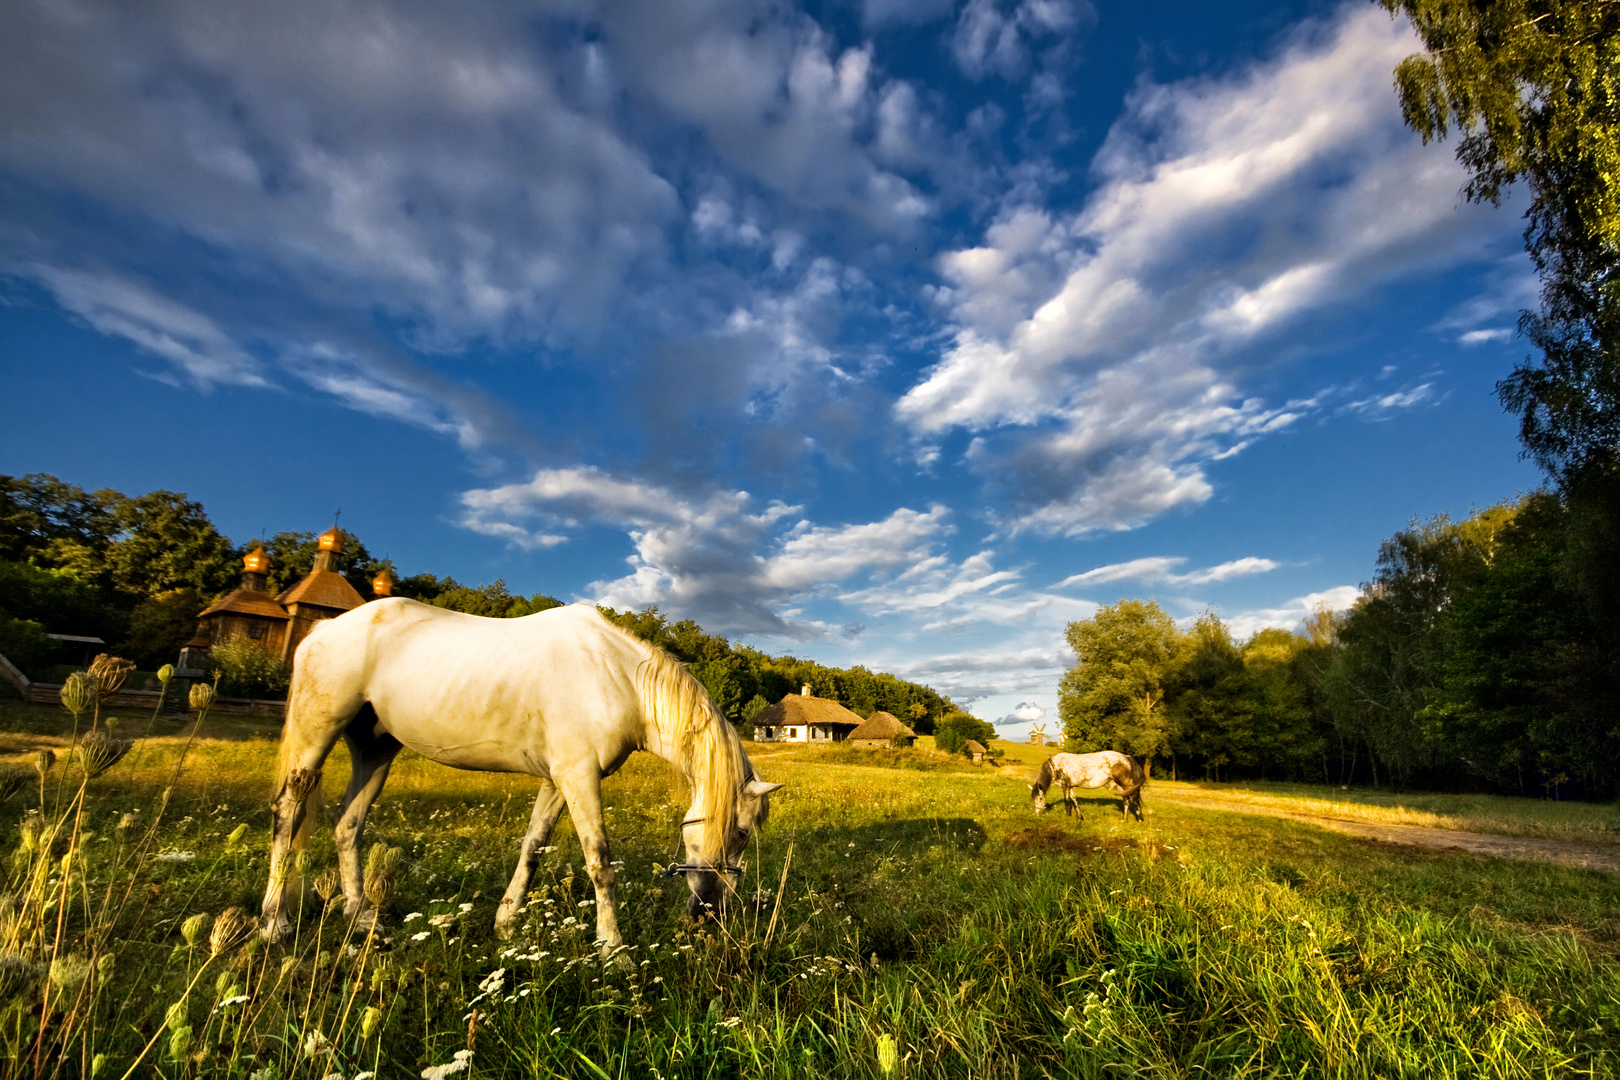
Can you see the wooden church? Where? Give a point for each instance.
(279, 623)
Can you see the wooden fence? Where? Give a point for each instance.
(174, 700)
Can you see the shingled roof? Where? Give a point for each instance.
(246, 602)
(880, 725)
(322, 588)
(803, 709)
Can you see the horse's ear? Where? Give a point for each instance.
(758, 788)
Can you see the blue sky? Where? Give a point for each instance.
(899, 332)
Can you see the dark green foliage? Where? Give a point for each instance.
(23, 642)
(159, 627)
(60, 602)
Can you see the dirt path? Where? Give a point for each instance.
(1562, 852)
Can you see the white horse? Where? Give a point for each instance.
(1109, 769)
(563, 695)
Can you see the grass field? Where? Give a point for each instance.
(896, 900)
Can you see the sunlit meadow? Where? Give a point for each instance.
(904, 914)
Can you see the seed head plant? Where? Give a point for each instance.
(99, 752)
(194, 928)
(233, 927)
(107, 675)
(201, 697)
(78, 693)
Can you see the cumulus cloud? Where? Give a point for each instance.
(1025, 712)
(714, 557)
(1160, 568)
(1096, 354)
(996, 37)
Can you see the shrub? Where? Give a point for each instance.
(247, 669)
(955, 730)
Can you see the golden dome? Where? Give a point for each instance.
(256, 561)
(382, 584)
(331, 540)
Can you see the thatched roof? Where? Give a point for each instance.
(322, 588)
(800, 709)
(881, 725)
(974, 746)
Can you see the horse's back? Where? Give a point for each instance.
(1105, 768)
(472, 691)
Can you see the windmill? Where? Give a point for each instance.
(1037, 734)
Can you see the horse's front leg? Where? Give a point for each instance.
(584, 796)
(548, 805)
(371, 754)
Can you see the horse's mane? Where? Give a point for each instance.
(704, 744)
(1043, 779)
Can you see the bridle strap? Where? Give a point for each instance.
(675, 869)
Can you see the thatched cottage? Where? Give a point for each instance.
(805, 718)
(882, 729)
(974, 749)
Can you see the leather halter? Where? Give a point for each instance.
(675, 869)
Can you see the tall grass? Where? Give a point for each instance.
(925, 913)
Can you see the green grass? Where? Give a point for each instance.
(926, 904)
(1588, 823)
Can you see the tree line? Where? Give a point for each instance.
(136, 571)
(1479, 657)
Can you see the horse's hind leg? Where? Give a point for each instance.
(548, 805)
(371, 752)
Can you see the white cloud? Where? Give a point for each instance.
(1095, 353)
(1380, 406)
(993, 36)
(120, 307)
(1480, 337)
(1025, 712)
(712, 558)
(1163, 569)
(1291, 615)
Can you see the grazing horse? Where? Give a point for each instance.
(1109, 769)
(563, 695)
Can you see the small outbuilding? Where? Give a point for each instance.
(974, 749)
(805, 718)
(882, 729)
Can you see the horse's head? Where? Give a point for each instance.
(713, 874)
(1131, 800)
(1038, 793)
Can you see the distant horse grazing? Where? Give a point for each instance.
(1109, 769)
(563, 695)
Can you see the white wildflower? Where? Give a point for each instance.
(423, 936)
(466, 908)
(459, 1063)
(239, 999)
(175, 856)
(316, 1044)
(411, 916)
